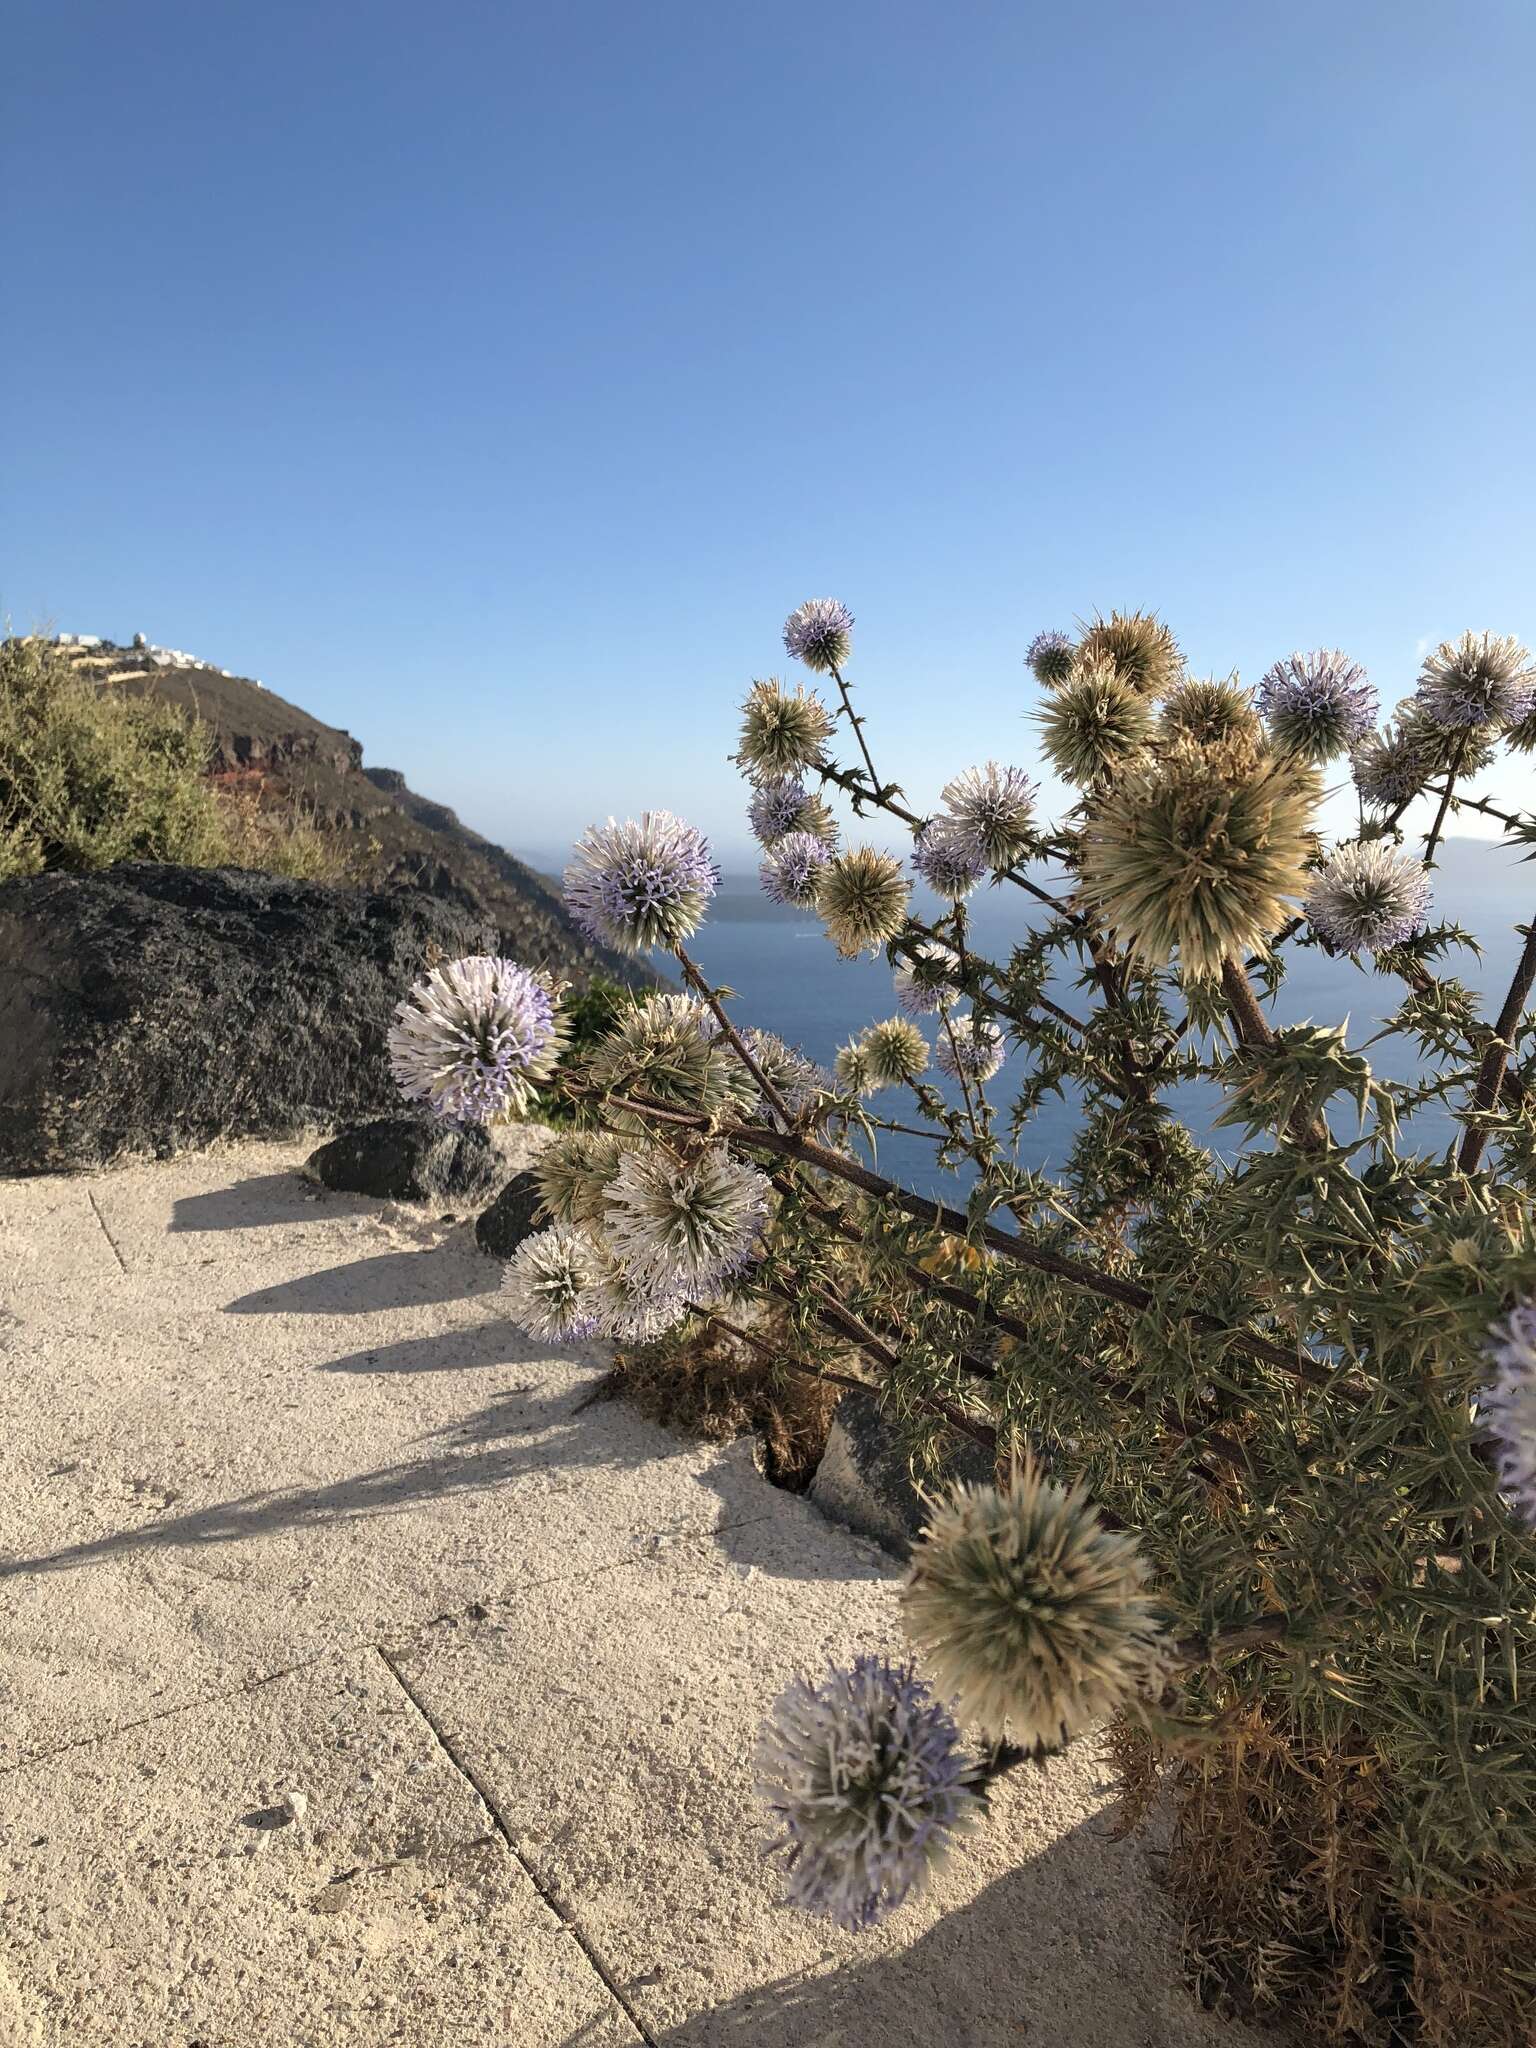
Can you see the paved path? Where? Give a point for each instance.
(360, 1684)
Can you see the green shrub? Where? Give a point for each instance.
(90, 777)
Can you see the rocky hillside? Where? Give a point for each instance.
(284, 754)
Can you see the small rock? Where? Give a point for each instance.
(409, 1159)
(295, 1805)
(863, 1479)
(512, 1217)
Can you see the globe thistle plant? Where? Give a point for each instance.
(1051, 655)
(1030, 1613)
(850, 1068)
(474, 1036)
(1368, 897)
(792, 867)
(573, 1171)
(667, 1048)
(866, 1777)
(1480, 680)
(993, 806)
(1207, 711)
(948, 859)
(925, 980)
(970, 1047)
(895, 1051)
(1139, 647)
(1507, 1408)
(1390, 768)
(641, 884)
(1200, 852)
(799, 1082)
(819, 633)
(547, 1287)
(1095, 725)
(685, 1226)
(1318, 705)
(777, 802)
(631, 1308)
(862, 896)
(783, 732)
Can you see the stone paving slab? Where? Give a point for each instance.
(300, 1512)
(159, 1892)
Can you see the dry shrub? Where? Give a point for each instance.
(1289, 1909)
(708, 1384)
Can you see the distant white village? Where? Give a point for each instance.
(141, 653)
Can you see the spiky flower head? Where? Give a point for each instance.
(894, 1051)
(1095, 724)
(1389, 767)
(1482, 679)
(630, 1308)
(819, 633)
(547, 1286)
(850, 1068)
(1208, 710)
(970, 1047)
(1028, 1612)
(1318, 705)
(924, 982)
(572, 1173)
(799, 1082)
(1522, 737)
(948, 859)
(783, 732)
(1394, 766)
(862, 897)
(474, 1035)
(1051, 655)
(1507, 1407)
(1368, 897)
(684, 1225)
(1200, 851)
(641, 884)
(993, 804)
(777, 802)
(791, 867)
(666, 1047)
(1139, 647)
(866, 1776)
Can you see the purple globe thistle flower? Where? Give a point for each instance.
(1508, 1407)
(776, 804)
(1050, 655)
(819, 633)
(1368, 897)
(1482, 679)
(1318, 705)
(865, 1775)
(970, 1048)
(789, 872)
(684, 1226)
(548, 1286)
(924, 983)
(994, 805)
(637, 885)
(948, 859)
(473, 1036)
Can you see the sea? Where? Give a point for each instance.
(787, 977)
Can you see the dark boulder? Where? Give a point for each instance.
(513, 1216)
(410, 1159)
(150, 1008)
(864, 1479)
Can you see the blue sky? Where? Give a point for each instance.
(491, 380)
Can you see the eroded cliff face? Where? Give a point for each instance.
(282, 753)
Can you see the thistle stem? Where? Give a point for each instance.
(701, 987)
(1490, 1077)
